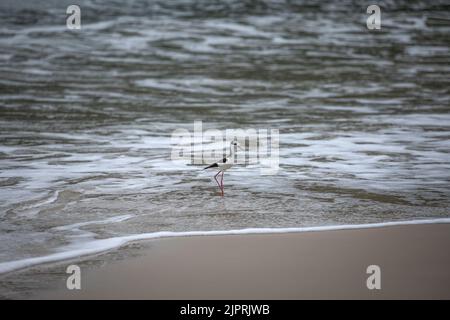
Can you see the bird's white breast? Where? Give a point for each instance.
(224, 166)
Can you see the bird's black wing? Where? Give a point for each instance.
(211, 166)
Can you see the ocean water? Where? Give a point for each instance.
(86, 118)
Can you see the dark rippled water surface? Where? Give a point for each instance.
(86, 116)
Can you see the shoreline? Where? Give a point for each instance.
(102, 246)
(414, 260)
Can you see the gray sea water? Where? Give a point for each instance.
(86, 116)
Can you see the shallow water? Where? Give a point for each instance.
(86, 116)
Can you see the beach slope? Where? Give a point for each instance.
(414, 261)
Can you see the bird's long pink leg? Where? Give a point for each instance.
(215, 178)
(221, 183)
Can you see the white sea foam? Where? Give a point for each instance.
(102, 245)
(50, 199)
(77, 226)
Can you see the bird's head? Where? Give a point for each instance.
(234, 144)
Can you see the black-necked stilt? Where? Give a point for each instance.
(224, 164)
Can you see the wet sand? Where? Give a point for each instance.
(414, 262)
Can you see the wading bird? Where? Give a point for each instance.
(224, 164)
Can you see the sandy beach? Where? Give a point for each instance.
(414, 262)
